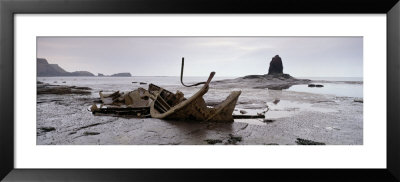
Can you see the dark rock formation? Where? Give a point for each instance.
(46, 69)
(275, 66)
(315, 85)
(100, 74)
(121, 75)
(44, 88)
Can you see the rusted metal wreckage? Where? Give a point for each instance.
(157, 102)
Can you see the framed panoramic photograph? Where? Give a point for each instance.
(145, 91)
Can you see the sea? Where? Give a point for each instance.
(342, 86)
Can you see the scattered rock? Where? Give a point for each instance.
(47, 128)
(315, 85)
(213, 141)
(61, 90)
(360, 100)
(243, 112)
(142, 83)
(276, 101)
(64, 82)
(81, 88)
(71, 133)
(39, 82)
(134, 82)
(87, 133)
(301, 141)
(268, 120)
(234, 139)
(275, 66)
(271, 144)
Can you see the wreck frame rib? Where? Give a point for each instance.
(8, 8)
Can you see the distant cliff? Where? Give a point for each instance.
(121, 75)
(46, 69)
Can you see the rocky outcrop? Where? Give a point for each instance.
(100, 74)
(275, 66)
(121, 75)
(46, 69)
(45, 88)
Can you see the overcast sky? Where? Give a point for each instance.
(228, 56)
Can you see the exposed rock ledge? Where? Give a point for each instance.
(275, 82)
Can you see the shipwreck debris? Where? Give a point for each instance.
(248, 116)
(183, 64)
(140, 112)
(174, 106)
(160, 103)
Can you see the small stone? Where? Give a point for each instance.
(47, 128)
(311, 85)
(268, 120)
(234, 139)
(213, 141)
(359, 100)
(86, 133)
(243, 111)
(94, 108)
(301, 141)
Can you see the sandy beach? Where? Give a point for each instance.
(292, 118)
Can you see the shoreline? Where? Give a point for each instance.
(322, 118)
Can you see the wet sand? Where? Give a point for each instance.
(291, 116)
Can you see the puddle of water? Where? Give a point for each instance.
(338, 89)
(281, 109)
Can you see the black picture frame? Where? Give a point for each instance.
(8, 8)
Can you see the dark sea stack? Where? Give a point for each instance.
(275, 66)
